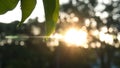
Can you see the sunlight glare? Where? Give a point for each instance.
(98, 44)
(118, 36)
(95, 33)
(107, 38)
(93, 23)
(76, 37)
(104, 29)
(36, 30)
(87, 22)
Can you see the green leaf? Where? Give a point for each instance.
(51, 8)
(7, 5)
(27, 6)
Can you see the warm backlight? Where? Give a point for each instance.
(75, 37)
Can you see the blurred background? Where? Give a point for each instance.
(87, 36)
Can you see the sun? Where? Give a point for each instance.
(75, 37)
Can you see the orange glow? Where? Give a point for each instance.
(76, 37)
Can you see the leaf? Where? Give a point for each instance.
(51, 8)
(27, 6)
(7, 5)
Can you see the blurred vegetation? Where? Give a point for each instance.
(25, 47)
(100, 16)
(51, 9)
(35, 53)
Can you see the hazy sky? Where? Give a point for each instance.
(16, 13)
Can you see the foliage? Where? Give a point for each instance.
(94, 16)
(51, 14)
(27, 6)
(7, 5)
